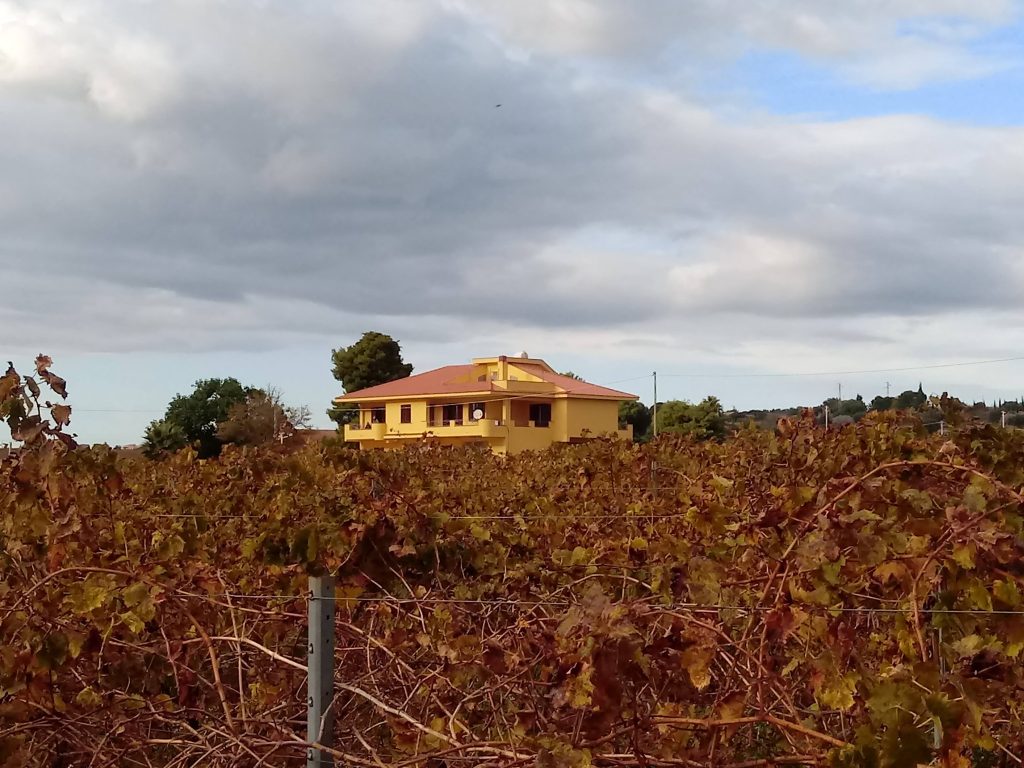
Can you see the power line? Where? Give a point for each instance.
(117, 410)
(841, 373)
(845, 373)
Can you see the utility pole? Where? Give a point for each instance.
(942, 427)
(840, 394)
(826, 417)
(655, 375)
(887, 389)
(1002, 419)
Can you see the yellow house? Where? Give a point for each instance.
(509, 404)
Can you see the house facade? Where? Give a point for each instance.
(510, 404)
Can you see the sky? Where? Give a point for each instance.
(715, 189)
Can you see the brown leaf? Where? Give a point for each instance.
(732, 707)
(61, 415)
(55, 382)
(28, 429)
(779, 624)
(55, 557)
(9, 382)
(43, 362)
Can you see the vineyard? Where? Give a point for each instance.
(796, 597)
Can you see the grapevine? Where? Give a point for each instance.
(850, 597)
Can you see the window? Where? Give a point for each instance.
(406, 414)
(377, 415)
(474, 407)
(540, 414)
(452, 413)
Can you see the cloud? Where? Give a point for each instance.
(230, 175)
(892, 45)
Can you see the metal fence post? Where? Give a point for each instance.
(320, 688)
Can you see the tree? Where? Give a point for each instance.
(704, 420)
(375, 359)
(162, 437)
(197, 415)
(261, 418)
(853, 408)
(911, 399)
(882, 403)
(638, 415)
(571, 375)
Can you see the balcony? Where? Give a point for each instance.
(375, 431)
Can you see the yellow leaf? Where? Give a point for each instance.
(86, 596)
(134, 594)
(891, 571)
(171, 547)
(88, 698)
(696, 661)
(964, 555)
(75, 643)
(133, 622)
(837, 692)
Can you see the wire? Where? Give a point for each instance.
(525, 517)
(692, 607)
(840, 373)
(117, 410)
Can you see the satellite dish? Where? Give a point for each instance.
(524, 356)
(478, 414)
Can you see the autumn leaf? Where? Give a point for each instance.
(61, 415)
(837, 692)
(696, 660)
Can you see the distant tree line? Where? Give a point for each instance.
(707, 420)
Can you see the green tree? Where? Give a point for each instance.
(704, 420)
(162, 437)
(571, 375)
(375, 359)
(882, 403)
(638, 415)
(911, 399)
(853, 408)
(198, 415)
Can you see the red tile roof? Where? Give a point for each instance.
(574, 386)
(461, 379)
(443, 381)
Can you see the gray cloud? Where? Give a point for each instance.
(225, 175)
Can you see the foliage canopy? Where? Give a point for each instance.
(782, 597)
(375, 359)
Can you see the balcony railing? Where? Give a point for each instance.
(438, 428)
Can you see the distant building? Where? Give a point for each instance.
(507, 404)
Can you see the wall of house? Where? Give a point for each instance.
(570, 418)
(529, 439)
(598, 416)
